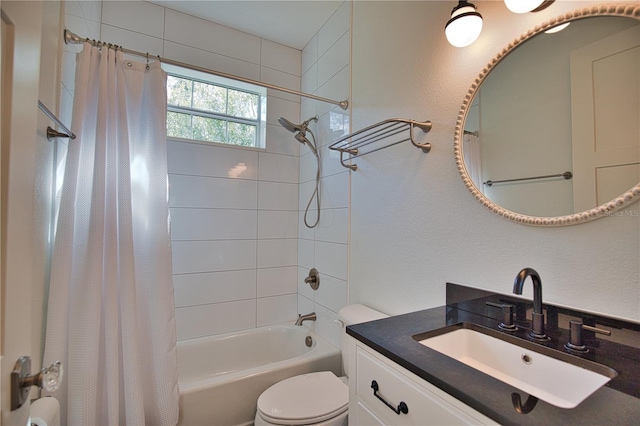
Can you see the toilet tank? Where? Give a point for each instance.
(349, 315)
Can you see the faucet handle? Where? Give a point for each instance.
(507, 316)
(576, 342)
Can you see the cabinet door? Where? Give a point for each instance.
(427, 405)
(362, 416)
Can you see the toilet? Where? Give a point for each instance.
(314, 399)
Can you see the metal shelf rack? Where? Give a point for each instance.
(362, 142)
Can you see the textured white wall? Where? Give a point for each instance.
(414, 225)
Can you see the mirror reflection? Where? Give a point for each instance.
(554, 128)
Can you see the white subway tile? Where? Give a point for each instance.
(281, 141)
(305, 289)
(275, 253)
(213, 224)
(277, 196)
(327, 326)
(306, 191)
(211, 160)
(212, 256)
(96, 11)
(309, 81)
(72, 7)
(331, 259)
(138, 16)
(69, 71)
(331, 160)
(277, 224)
(337, 88)
(280, 57)
(308, 165)
(276, 309)
(278, 168)
(333, 226)
(132, 40)
(216, 38)
(277, 107)
(305, 232)
(277, 281)
(332, 293)
(207, 320)
(279, 78)
(306, 254)
(207, 192)
(214, 287)
(308, 108)
(336, 58)
(213, 61)
(95, 28)
(332, 126)
(334, 28)
(310, 54)
(335, 190)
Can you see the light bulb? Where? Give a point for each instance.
(522, 6)
(465, 25)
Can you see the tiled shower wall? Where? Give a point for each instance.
(326, 72)
(240, 247)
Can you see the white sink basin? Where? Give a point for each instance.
(552, 380)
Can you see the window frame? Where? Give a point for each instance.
(229, 84)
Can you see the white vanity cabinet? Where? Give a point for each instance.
(425, 403)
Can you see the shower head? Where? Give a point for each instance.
(293, 128)
(289, 125)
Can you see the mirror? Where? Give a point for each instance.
(549, 133)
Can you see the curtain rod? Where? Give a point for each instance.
(71, 38)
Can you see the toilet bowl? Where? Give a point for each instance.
(314, 399)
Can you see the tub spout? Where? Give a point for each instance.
(308, 317)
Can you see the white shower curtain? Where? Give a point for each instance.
(110, 316)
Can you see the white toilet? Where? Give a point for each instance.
(314, 399)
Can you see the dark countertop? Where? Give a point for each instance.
(616, 403)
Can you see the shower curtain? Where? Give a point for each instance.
(110, 316)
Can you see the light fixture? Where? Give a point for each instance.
(523, 6)
(465, 24)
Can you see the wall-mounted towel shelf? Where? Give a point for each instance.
(362, 142)
(565, 175)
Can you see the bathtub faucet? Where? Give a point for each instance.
(302, 318)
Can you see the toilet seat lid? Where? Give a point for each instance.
(307, 398)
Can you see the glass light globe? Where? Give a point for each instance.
(465, 25)
(522, 6)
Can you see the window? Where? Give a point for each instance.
(208, 108)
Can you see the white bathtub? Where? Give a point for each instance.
(221, 377)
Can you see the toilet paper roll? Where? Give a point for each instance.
(45, 412)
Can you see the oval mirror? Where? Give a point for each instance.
(549, 132)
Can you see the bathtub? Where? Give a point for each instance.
(221, 377)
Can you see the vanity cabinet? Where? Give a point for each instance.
(425, 404)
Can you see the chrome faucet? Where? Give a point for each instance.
(537, 316)
(308, 317)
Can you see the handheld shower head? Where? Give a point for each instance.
(293, 128)
(300, 137)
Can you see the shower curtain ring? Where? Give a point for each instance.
(147, 61)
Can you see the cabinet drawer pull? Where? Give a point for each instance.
(402, 407)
